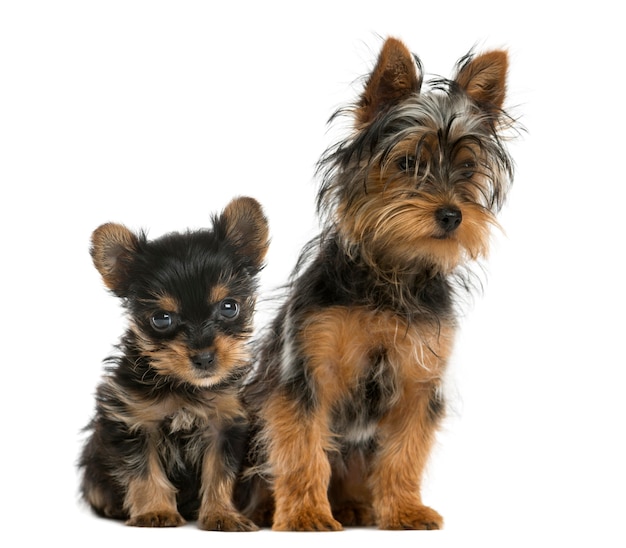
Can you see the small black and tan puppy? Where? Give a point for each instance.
(166, 441)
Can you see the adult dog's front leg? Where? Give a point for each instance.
(298, 460)
(406, 436)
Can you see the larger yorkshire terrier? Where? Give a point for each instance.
(348, 391)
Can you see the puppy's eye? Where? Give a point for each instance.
(229, 308)
(162, 321)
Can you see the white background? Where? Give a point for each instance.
(155, 114)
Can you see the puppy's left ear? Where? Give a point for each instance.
(113, 249)
(245, 227)
(484, 78)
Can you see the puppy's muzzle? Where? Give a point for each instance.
(204, 361)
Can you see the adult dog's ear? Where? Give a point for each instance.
(484, 78)
(396, 76)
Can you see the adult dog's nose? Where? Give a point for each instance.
(449, 218)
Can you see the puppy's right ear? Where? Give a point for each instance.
(246, 229)
(113, 248)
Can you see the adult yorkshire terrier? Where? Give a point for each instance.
(168, 436)
(347, 395)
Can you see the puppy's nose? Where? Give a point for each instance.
(449, 218)
(203, 360)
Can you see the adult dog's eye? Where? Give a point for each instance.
(162, 321)
(229, 308)
(407, 163)
(468, 170)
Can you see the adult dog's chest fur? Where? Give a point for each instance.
(353, 343)
(364, 362)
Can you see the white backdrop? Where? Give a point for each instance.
(155, 114)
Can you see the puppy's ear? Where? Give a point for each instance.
(397, 75)
(113, 248)
(484, 78)
(245, 227)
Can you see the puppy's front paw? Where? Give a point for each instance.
(226, 521)
(156, 519)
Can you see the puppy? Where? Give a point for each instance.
(166, 441)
